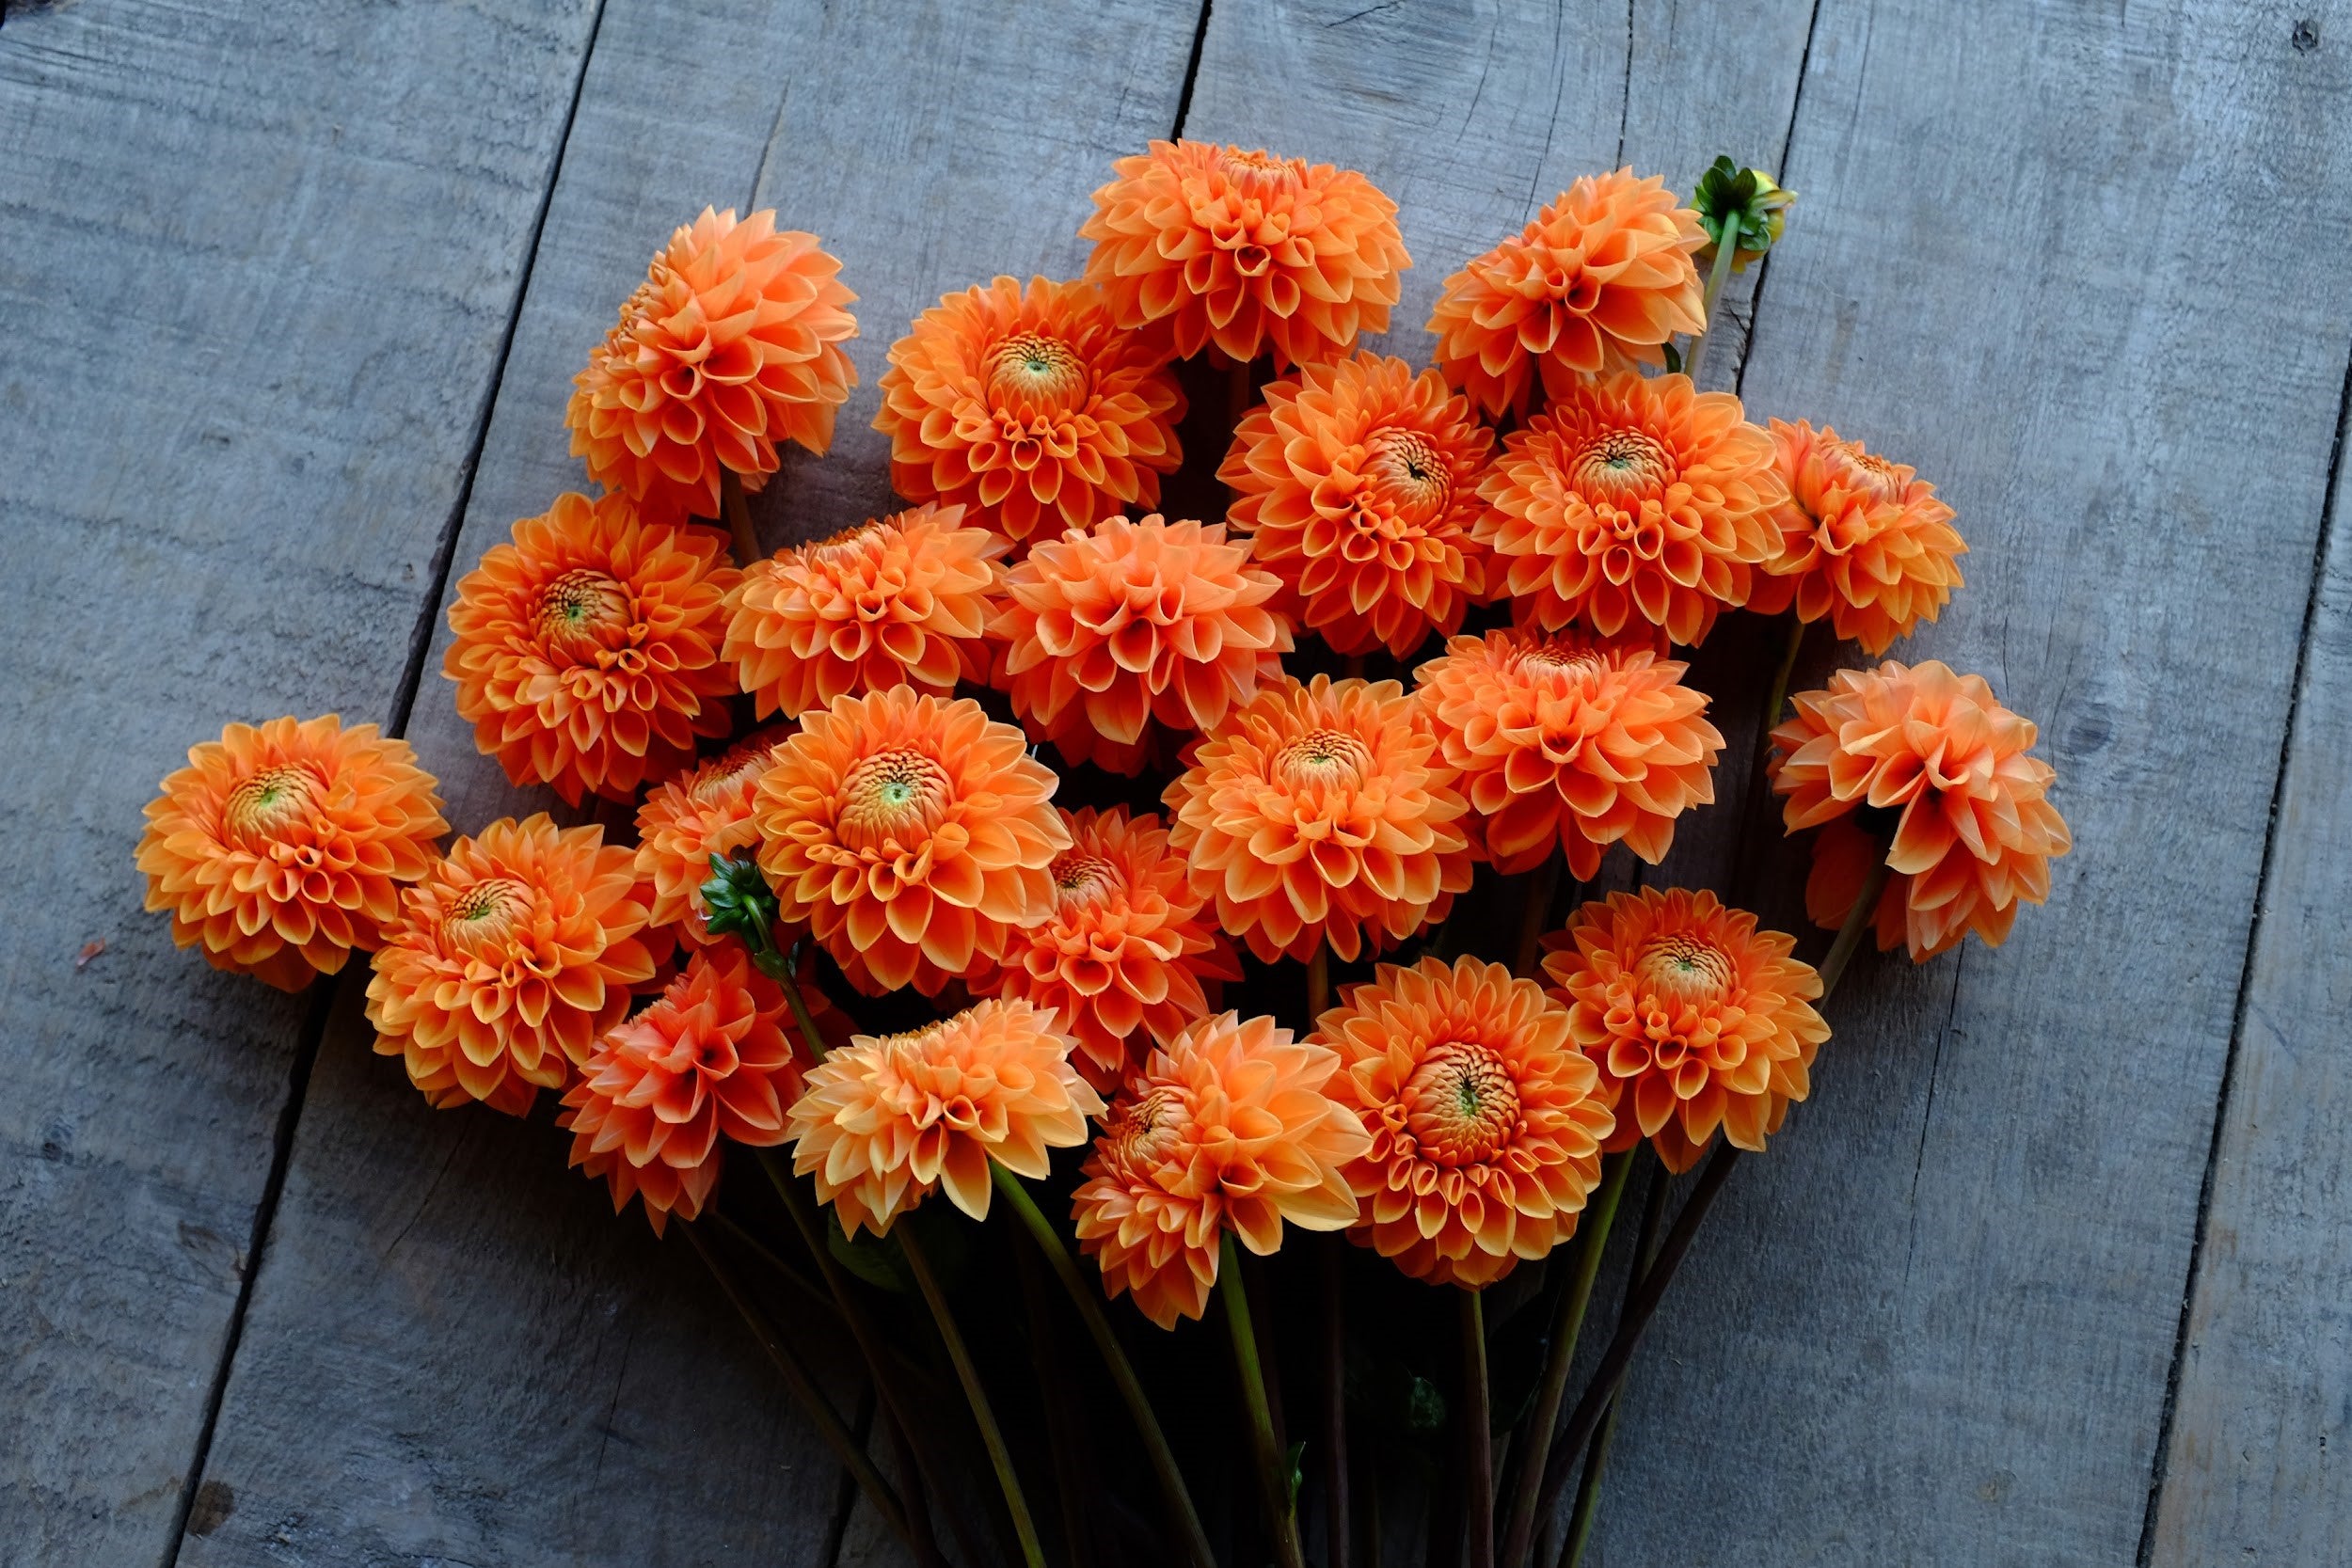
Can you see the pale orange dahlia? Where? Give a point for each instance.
(508, 961)
(705, 811)
(1030, 406)
(914, 834)
(1600, 279)
(1322, 812)
(587, 652)
(902, 600)
(1696, 1019)
(1632, 501)
(281, 847)
(1931, 761)
(888, 1120)
(1864, 541)
(1130, 631)
(728, 347)
(1230, 1127)
(1486, 1124)
(1245, 250)
(1571, 740)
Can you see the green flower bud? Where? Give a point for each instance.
(1762, 207)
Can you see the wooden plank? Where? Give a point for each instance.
(259, 267)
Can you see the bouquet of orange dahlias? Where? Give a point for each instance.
(1129, 874)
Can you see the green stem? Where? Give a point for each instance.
(1587, 1509)
(1334, 1263)
(1478, 1485)
(993, 1437)
(1725, 248)
(1535, 913)
(1858, 920)
(1775, 699)
(801, 1015)
(738, 512)
(1273, 1485)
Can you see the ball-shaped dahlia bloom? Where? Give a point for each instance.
(730, 345)
(705, 811)
(902, 600)
(1119, 636)
(891, 1119)
(1696, 1019)
(1633, 501)
(508, 961)
(1245, 252)
(1230, 1127)
(1322, 814)
(1600, 279)
(1485, 1120)
(282, 847)
(1029, 407)
(1357, 485)
(913, 835)
(1568, 740)
(586, 651)
(1864, 541)
(1943, 775)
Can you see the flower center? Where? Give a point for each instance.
(1150, 1131)
(891, 795)
(1324, 757)
(1031, 370)
(1874, 475)
(582, 612)
(1683, 969)
(1558, 663)
(259, 811)
(1407, 476)
(1081, 879)
(1620, 462)
(726, 775)
(1260, 174)
(1461, 1104)
(486, 915)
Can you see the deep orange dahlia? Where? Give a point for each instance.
(705, 811)
(1864, 541)
(1245, 250)
(1632, 501)
(902, 600)
(915, 835)
(508, 961)
(278, 849)
(1936, 757)
(1570, 739)
(1322, 812)
(587, 650)
(1696, 1019)
(729, 346)
(890, 1119)
(1129, 632)
(1230, 1127)
(1601, 278)
(1486, 1124)
(1029, 407)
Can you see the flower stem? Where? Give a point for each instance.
(1859, 916)
(1478, 1434)
(1588, 1508)
(1334, 1263)
(1535, 913)
(1776, 697)
(800, 1014)
(1318, 983)
(1273, 1485)
(738, 512)
(1725, 248)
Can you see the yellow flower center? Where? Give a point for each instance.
(1082, 878)
(488, 915)
(1682, 969)
(582, 612)
(1030, 371)
(1620, 462)
(1461, 1104)
(259, 811)
(1407, 476)
(1324, 757)
(891, 795)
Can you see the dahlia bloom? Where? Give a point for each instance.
(1118, 635)
(729, 346)
(1229, 1127)
(1632, 501)
(1030, 407)
(279, 849)
(1486, 1125)
(1938, 755)
(1322, 812)
(915, 835)
(1601, 278)
(705, 811)
(1571, 740)
(587, 652)
(888, 1120)
(1696, 1019)
(508, 961)
(1864, 541)
(1245, 252)
(1357, 485)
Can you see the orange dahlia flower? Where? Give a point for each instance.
(729, 346)
(587, 651)
(1632, 501)
(1486, 1125)
(1322, 812)
(1864, 541)
(1229, 1127)
(279, 849)
(1245, 250)
(1571, 740)
(890, 1119)
(1936, 758)
(1128, 625)
(1602, 277)
(902, 600)
(914, 836)
(1030, 406)
(1696, 1019)
(1126, 948)
(705, 811)
(508, 961)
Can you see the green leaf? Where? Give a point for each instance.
(1297, 1476)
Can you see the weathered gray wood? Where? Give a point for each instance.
(257, 268)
